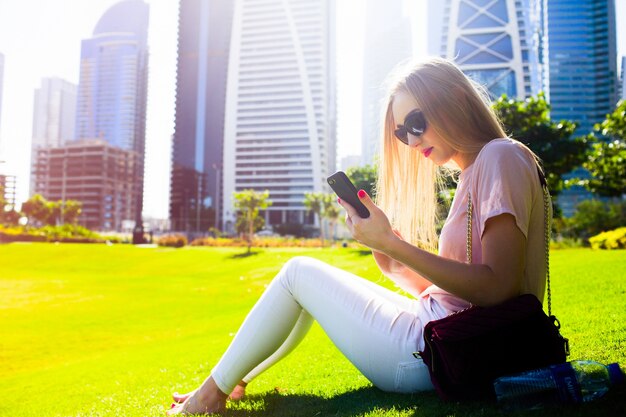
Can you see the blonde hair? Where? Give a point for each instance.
(459, 111)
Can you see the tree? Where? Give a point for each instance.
(315, 202)
(71, 211)
(249, 202)
(331, 212)
(38, 210)
(529, 122)
(364, 178)
(606, 161)
(43, 212)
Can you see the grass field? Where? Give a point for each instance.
(95, 330)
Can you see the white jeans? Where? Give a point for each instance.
(375, 328)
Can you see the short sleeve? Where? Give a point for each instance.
(503, 182)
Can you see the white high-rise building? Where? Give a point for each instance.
(54, 116)
(54, 113)
(498, 43)
(387, 44)
(279, 129)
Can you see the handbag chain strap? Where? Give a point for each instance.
(546, 226)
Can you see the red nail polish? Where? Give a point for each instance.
(339, 200)
(362, 194)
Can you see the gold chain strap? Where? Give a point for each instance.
(468, 248)
(546, 226)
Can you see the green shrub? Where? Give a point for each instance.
(174, 241)
(258, 242)
(593, 217)
(613, 239)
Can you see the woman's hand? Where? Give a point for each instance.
(374, 232)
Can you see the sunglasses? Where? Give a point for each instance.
(414, 123)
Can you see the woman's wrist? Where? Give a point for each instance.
(389, 244)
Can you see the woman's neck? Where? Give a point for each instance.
(463, 160)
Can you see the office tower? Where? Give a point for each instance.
(583, 71)
(204, 31)
(112, 91)
(93, 172)
(497, 43)
(280, 105)
(54, 115)
(582, 60)
(387, 44)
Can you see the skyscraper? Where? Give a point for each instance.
(54, 116)
(388, 43)
(204, 32)
(280, 104)
(112, 92)
(582, 60)
(497, 43)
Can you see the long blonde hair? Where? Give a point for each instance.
(459, 111)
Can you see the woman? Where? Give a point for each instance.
(435, 117)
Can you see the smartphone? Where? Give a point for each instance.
(343, 187)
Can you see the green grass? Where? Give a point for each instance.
(95, 330)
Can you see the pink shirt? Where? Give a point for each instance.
(502, 179)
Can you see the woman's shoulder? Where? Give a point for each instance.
(504, 152)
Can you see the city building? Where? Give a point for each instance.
(54, 115)
(388, 43)
(350, 161)
(112, 90)
(279, 131)
(582, 52)
(204, 31)
(497, 43)
(97, 174)
(7, 189)
(582, 49)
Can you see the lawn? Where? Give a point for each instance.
(96, 330)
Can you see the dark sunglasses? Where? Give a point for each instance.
(414, 123)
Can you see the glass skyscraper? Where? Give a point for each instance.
(204, 31)
(279, 131)
(582, 60)
(496, 42)
(113, 77)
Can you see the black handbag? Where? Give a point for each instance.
(466, 351)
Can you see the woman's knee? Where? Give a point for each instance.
(299, 268)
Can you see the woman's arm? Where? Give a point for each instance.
(497, 279)
(404, 277)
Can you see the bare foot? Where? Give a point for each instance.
(238, 393)
(205, 400)
(180, 398)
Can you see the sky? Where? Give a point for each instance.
(41, 38)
